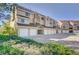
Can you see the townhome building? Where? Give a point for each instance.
(30, 23)
(69, 26)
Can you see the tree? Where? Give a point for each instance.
(7, 29)
(5, 10)
(5, 14)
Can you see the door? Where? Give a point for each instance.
(40, 31)
(70, 30)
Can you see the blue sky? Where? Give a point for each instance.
(58, 11)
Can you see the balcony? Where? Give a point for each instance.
(23, 21)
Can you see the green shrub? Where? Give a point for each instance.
(29, 41)
(7, 37)
(19, 39)
(4, 37)
(55, 49)
(8, 50)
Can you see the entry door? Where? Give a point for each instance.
(71, 30)
(40, 31)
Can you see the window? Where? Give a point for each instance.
(51, 23)
(64, 27)
(77, 27)
(22, 20)
(40, 31)
(54, 26)
(27, 14)
(42, 18)
(70, 28)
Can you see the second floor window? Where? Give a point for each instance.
(77, 27)
(51, 23)
(22, 20)
(27, 14)
(42, 18)
(64, 27)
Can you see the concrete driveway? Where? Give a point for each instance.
(55, 37)
(69, 40)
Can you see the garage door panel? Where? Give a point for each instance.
(33, 32)
(53, 31)
(23, 32)
(45, 32)
(65, 31)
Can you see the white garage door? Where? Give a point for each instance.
(45, 32)
(23, 32)
(53, 31)
(48, 31)
(33, 32)
(75, 31)
(65, 31)
(59, 31)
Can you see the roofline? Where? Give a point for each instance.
(28, 9)
(68, 20)
(32, 11)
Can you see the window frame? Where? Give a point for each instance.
(27, 14)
